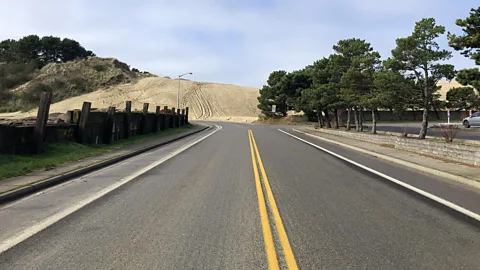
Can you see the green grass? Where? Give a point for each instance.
(62, 153)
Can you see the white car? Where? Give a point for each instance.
(472, 121)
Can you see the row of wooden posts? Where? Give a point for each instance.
(170, 118)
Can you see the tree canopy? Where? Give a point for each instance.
(462, 98)
(354, 79)
(469, 45)
(43, 50)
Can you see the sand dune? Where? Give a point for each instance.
(207, 101)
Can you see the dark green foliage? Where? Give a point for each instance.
(420, 55)
(45, 50)
(469, 76)
(461, 98)
(469, 45)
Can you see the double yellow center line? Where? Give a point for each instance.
(277, 220)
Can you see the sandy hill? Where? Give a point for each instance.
(447, 86)
(212, 101)
(67, 80)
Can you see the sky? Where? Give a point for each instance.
(227, 41)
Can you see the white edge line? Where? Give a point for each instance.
(396, 181)
(29, 232)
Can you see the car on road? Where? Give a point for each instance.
(472, 121)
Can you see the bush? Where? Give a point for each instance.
(12, 74)
(449, 131)
(31, 95)
(100, 67)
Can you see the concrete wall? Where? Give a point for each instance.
(468, 154)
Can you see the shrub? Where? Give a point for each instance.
(13, 74)
(100, 67)
(449, 131)
(31, 95)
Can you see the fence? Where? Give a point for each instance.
(87, 126)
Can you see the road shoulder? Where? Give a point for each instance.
(458, 172)
(454, 192)
(17, 187)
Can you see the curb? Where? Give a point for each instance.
(460, 179)
(42, 184)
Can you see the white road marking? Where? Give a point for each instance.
(29, 232)
(394, 180)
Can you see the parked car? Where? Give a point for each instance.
(472, 121)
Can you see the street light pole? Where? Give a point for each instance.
(178, 92)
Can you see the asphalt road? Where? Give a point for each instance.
(202, 209)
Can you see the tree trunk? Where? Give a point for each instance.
(423, 131)
(374, 122)
(319, 116)
(335, 115)
(349, 112)
(360, 117)
(436, 113)
(355, 116)
(327, 119)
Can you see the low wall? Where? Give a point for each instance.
(468, 154)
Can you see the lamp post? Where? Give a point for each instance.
(178, 92)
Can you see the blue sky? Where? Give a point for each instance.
(227, 41)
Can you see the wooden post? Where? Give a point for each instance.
(41, 121)
(186, 115)
(182, 123)
(69, 117)
(76, 116)
(179, 120)
(165, 118)
(157, 119)
(128, 119)
(108, 137)
(173, 122)
(145, 108)
(82, 125)
(145, 123)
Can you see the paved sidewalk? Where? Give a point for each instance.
(470, 174)
(16, 182)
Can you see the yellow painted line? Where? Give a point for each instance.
(267, 233)
(287, 249)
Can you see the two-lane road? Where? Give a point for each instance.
(255, 199)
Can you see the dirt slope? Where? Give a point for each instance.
(207, 101)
